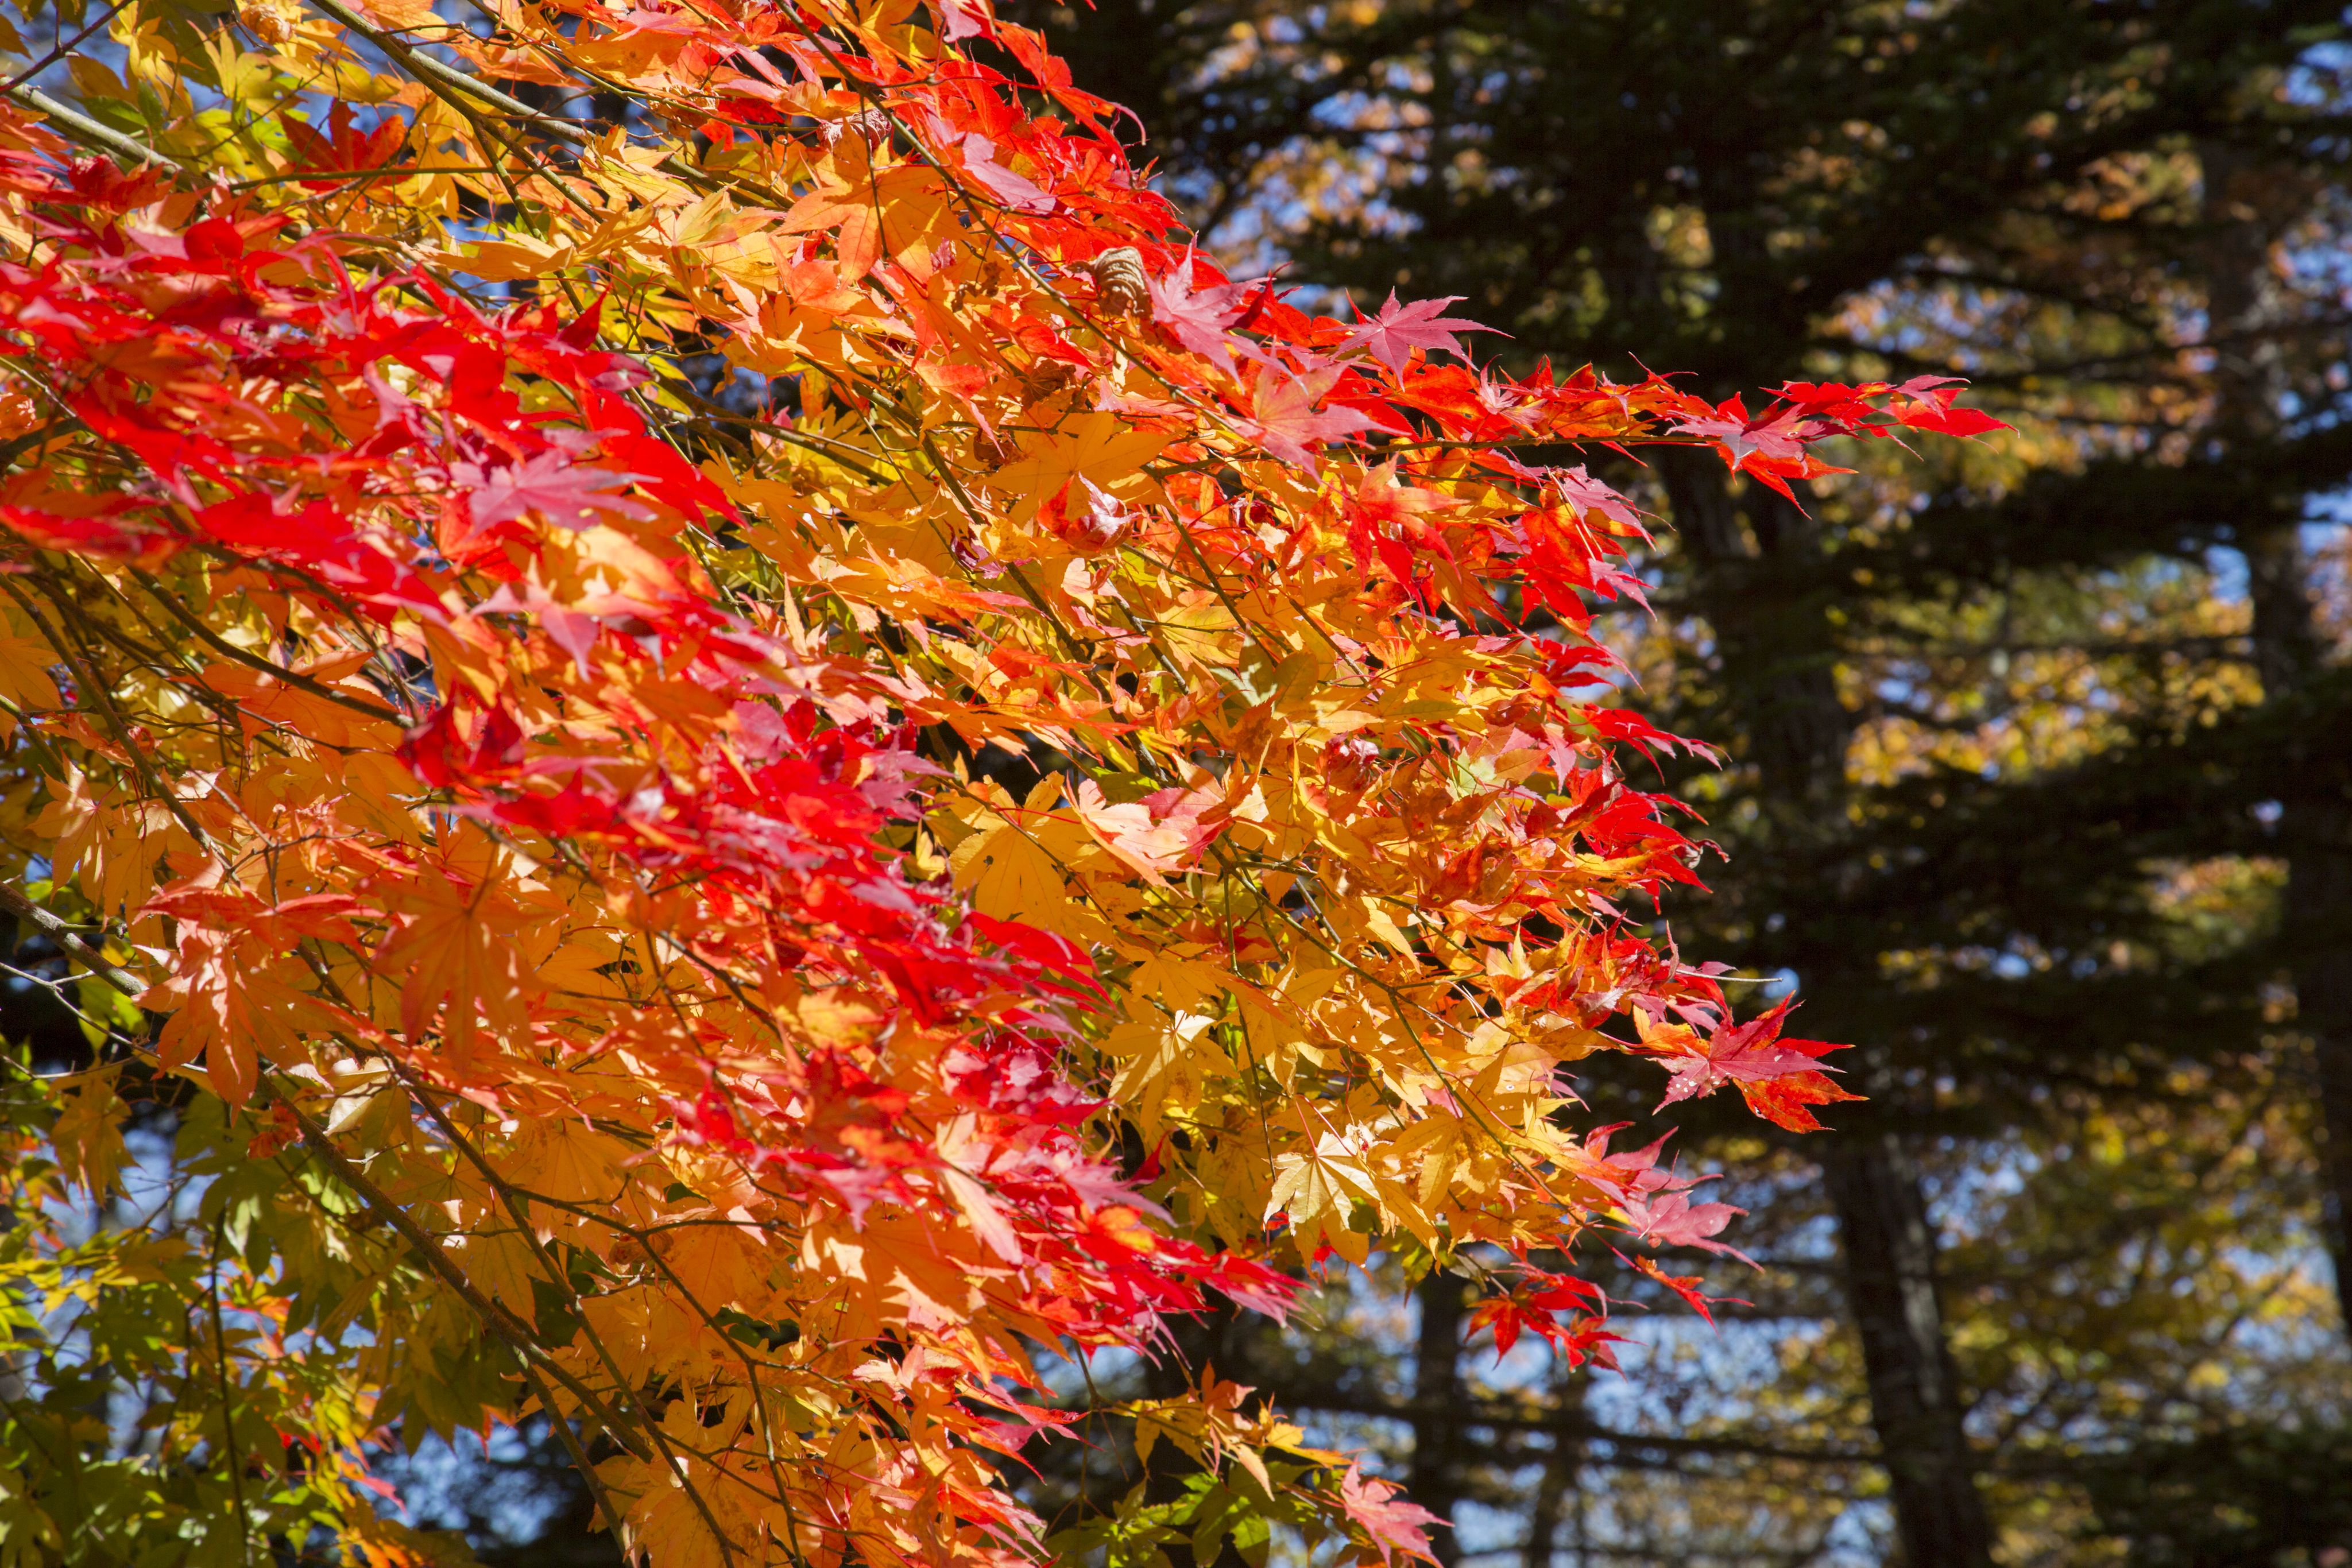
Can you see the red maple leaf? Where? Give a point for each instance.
(549, 482)
(1779, 1078)
(1686, 1286)
(1535, 1305)
(1201, 320)
(1927, 405)
(1393, 1524)
(961, 19)
(1398, 329)
(1670, 1219)
(1656, 1199)
(1288, 417)
(1015, 191)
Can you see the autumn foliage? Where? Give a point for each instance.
(747, 752)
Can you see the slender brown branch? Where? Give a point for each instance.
(519, 1336)
(227, 649)
(570, 1441)
(520, 1213)
(56, 930)
(80, 127)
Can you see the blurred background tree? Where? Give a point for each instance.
(2038, 781)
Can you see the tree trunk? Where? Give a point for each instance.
(1780, 654)
(1436, 1478)
(2314, 834)
(1915, 1402)
(2315, 827)
(2319, 920)
(1562, 1476)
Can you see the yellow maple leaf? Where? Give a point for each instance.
(1100, 446)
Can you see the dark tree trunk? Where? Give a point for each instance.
(2242, 200)
(2314, 834)
(1436, 1479)
(1914, 1400)
(1560, 1485)
(2319, 922)
(1779, 653)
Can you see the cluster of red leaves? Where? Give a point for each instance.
(770, 773)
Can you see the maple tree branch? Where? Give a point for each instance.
(165, 663)
(86, 679)
(229, 649)
(1029, 590)
(562, 1280)
(64, 991)
(228, 1407)
(512, 1197)
(1216, 585)
(16, 446)
(572, 1445)
(1404, 1008)
(516, 1336)
(440, 76)
(63, 47)
(358, 176)
(80, 127)
(56, 930)
(433, 72)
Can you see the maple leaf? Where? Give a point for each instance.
(1779, 1078)
(1927, 403)
(1395, 1524)
(1923, 402)
(1535, 1303)
(1200, 321)
(1288, 420)
(1160, 834)
(565, 493)
(1586, 494)
(232, 1012)
(1248, 1283)
(1381, 502)
(1101, 448)
(342, 149)
(961, 19)
(1776, 437)
(1012, 877)
(1318, 1189)
(1655, 1200)
(1023, 196)
(453, 953)
(1689, 1287)
(1392, 335)
(1669, 1219)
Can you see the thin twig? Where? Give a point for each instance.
(54, 56)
